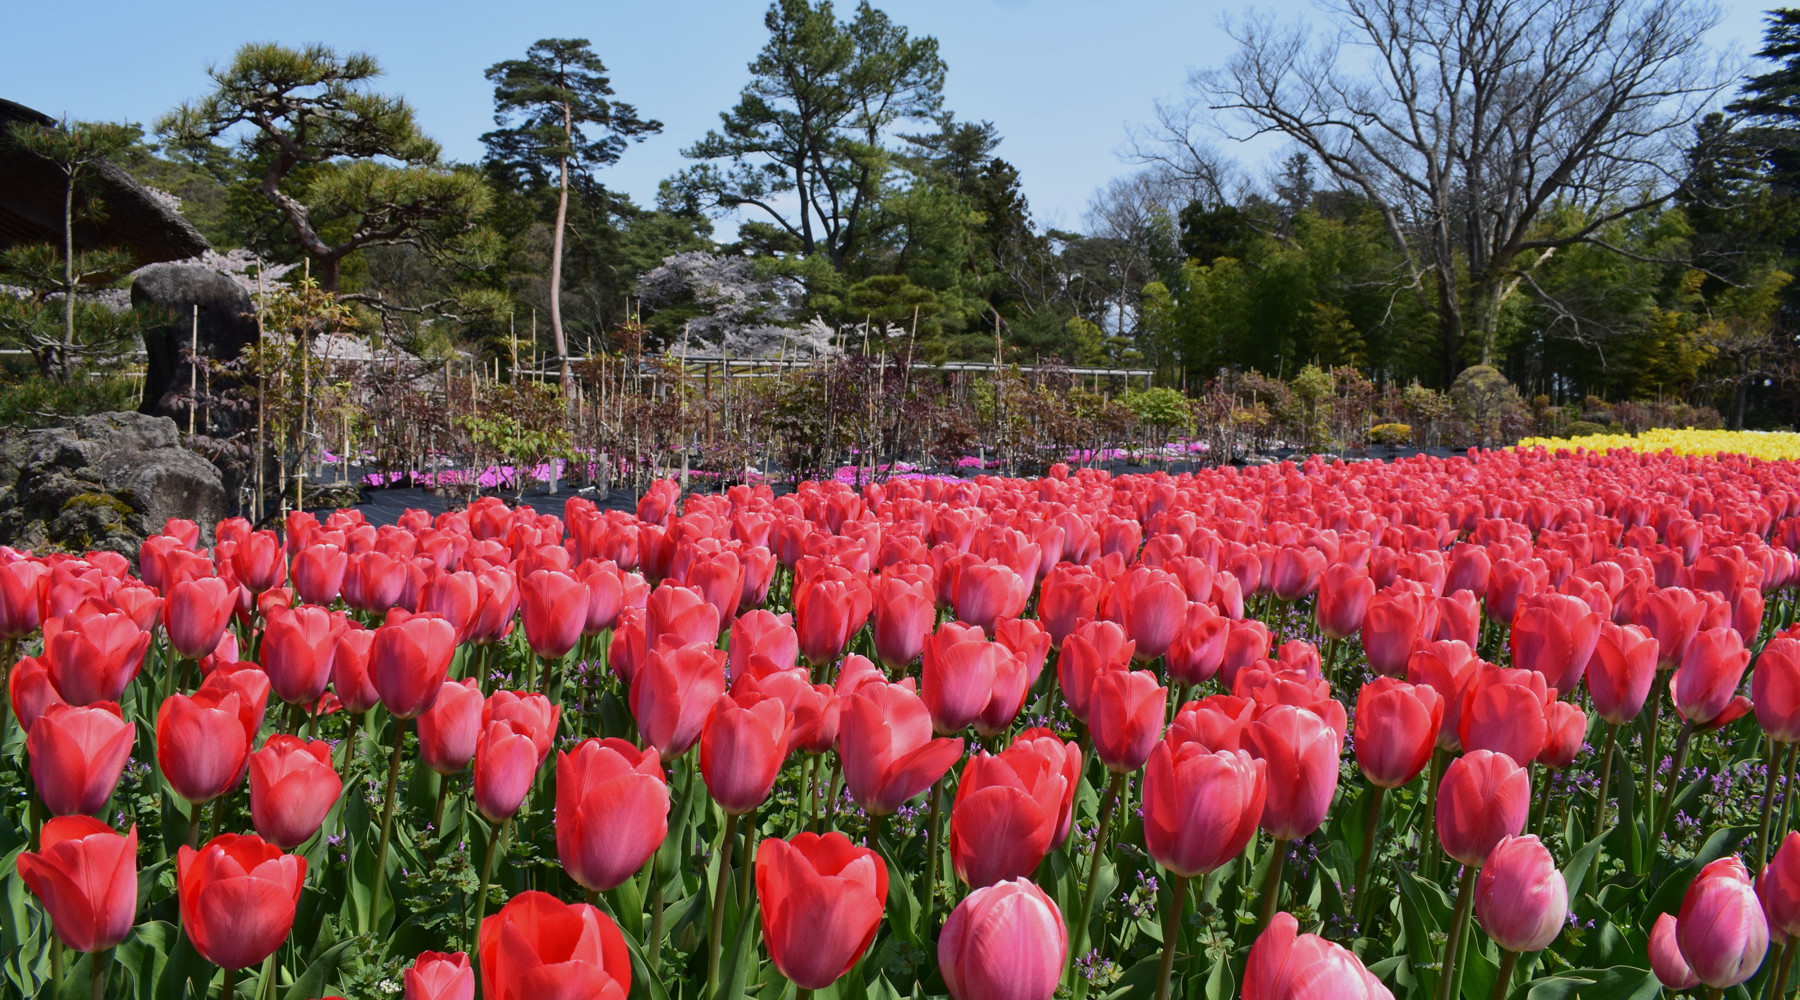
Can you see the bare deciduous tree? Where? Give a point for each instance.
(1467, 122)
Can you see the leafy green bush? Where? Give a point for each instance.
(35, 401)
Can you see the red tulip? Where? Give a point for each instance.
(762, 641)
(1287, 965)
(506, 762)
(1344, 595)
(497, 599)
(1620, 674)
(259, 561)
(1565, 730)
(888, 753)
(93, 658)
(555, 612)
(1705, 685)
(350, 669)
(456, 597)
(1521, 898)
(606, 585)
(408, 662)
(822, 900)
(1778, 887)
(1482, 800)
(1199, 649)
(1028, 641)
(612, 811)
(1665, 956)
(449, 729)
(1508, 585)
(292, 787)
(85, 874)
(1504, 710)
(742, 749)
(374, 581)
(903, 613)
(29, 690)
(827, 612)
(1555, 635)
(1062, 754)
(435, 975)
(1396, 622)
(1672, 616)
(77, 755)
(1004, 942)
(1125, 717)
(202, 743)
(21, 587)
(1470, 566)
(1200, 807)
(1155, 608)
(539, 716)
(238, 895)
(1721, 929)
(540, 948)
(1070, 595)
(318, 573)
(1005, 815)
(986, 592)
(1458, 617)
(1396, 730)
(1095, 648)
(1245, 643)
(1216, 722)
(968, 680)
(1295, 572)
(674, 693)
(812, 709)
(297, 649)
(1301, 755)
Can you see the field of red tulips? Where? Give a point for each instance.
(1511, 724)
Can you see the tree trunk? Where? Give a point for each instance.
(556, 256)
(68, 344)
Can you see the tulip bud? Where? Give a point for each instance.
(1521, 898)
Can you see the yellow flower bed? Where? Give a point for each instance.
(1770, 445)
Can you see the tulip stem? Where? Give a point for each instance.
(1428, 844)
(228, 988)
(1115, 790)
(1668, 801)
(656, 918)
(193, 836)
(56, 966)
(496, 835)
(934, 839)
(721, 893)
(1787, 789)
(1651, 752)
(1272, 884)
(749, 863)
(387, 817)
(98, 966)
(1606, 757)
(1762, 835)
(1178, 891)
(1782, 968)
(1371, 827)
(1459, 925)
(1503, 981)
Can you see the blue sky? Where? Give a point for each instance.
(1062, 79)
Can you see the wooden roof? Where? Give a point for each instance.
(31, 205)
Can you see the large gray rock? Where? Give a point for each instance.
(167, 295)
(102, 482)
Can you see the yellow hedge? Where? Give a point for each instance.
(1771, 445)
